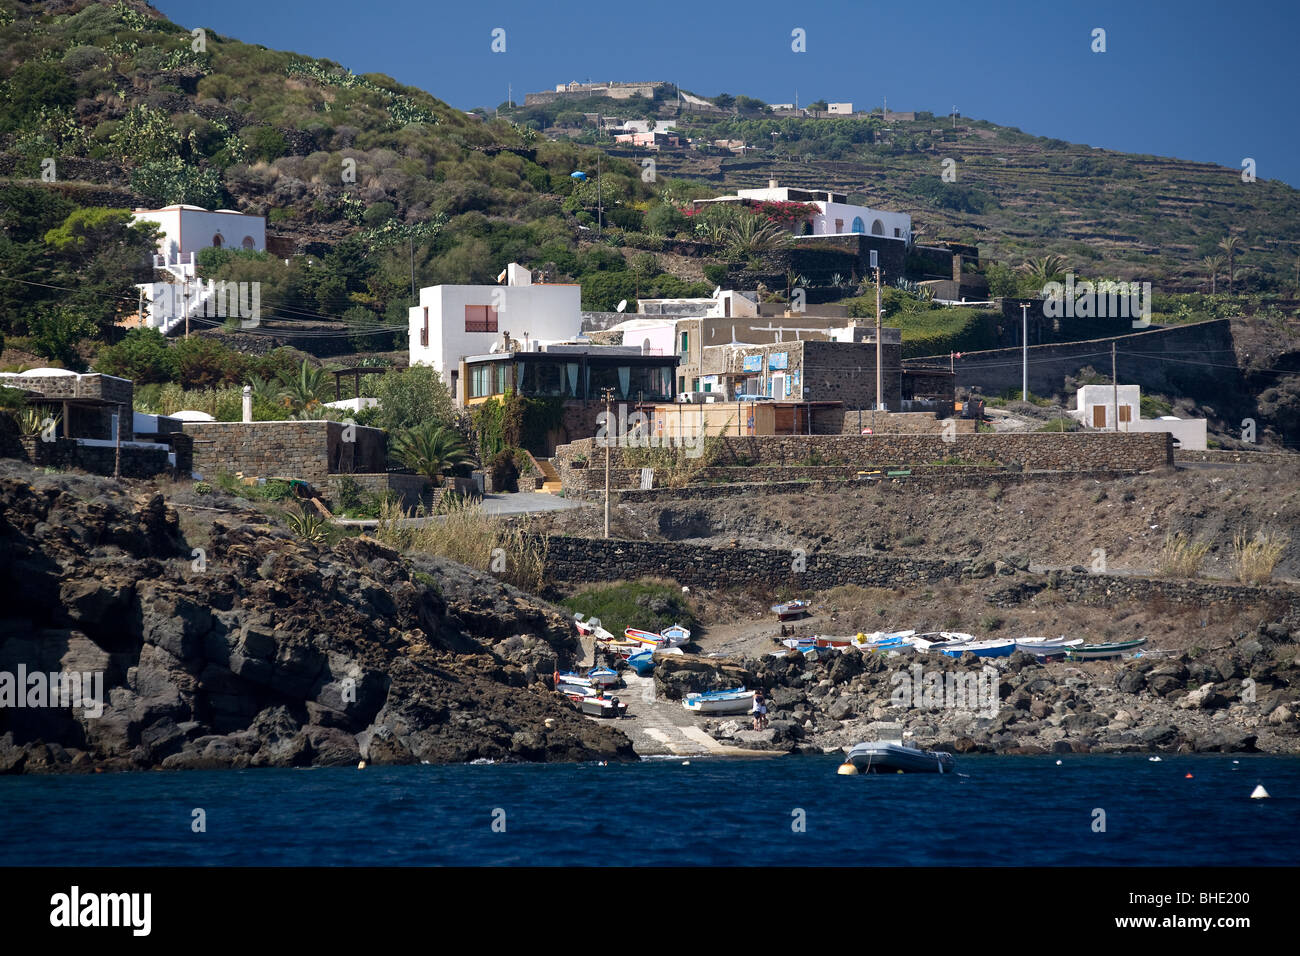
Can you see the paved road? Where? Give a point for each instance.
(526, 502)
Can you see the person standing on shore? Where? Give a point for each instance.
(759, 711)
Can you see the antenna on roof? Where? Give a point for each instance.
(621, 306)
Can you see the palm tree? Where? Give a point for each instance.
(303, 390)
(429, 449)
(1230, 245)
(1213, 266)
(752, 234)
(265, 390)
(1044, 269)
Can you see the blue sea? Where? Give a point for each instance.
(791, 810)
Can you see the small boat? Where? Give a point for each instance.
(675, 636)
(601, 706)
(882, 640)
(938, 640)
(892, 756)
(979, 648)
(1088, 652)
(645, 637)
(1046, 646)
(643, 662)
(803, 643)
(737, 701)
(790, 609)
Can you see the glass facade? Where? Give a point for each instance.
(581, 380)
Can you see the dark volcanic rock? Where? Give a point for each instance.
(280, 653)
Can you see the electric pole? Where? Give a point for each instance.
(1114, 384)
(880, 371)
(1024, 350)
(609, 396)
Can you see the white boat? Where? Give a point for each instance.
(1046, 646)
(892, 756)
(738, 701)
(675, 636)
(938, 640)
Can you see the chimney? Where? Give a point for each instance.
(248, 403)
(771, 184)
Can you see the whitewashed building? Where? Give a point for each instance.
(836, 216)
(185, 231)
(1101, 406)
(454, 321)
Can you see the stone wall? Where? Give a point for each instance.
(575, 560)
(310, 450)
(411, 490)
(1038, 451)
(138, 459)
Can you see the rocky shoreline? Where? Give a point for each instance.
(236, 644)
(1240, 699)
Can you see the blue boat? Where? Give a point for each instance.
(980, 649)
(735, 701)
(642, 662)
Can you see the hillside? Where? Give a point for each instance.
(372, 188)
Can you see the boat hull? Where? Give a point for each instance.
(980, 649)
(731, 704)
(1093, 652)
(892, 757)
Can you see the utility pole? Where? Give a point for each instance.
(600, 202)
(1114, 384)
(880, 372)
(185, 304)
(411, 240)
(609, 394)
(117, 442)
(1024, 349)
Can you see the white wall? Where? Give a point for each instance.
(1089, 396)
(547, 313)
(1190, 433)
(187, 229)
(660, 337)
(825, 224)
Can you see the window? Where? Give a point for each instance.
(858, 225)
(877, 228)
(480, 381)
(424, 332)
(681, 383)
(839, 226)
(1126, 413)
(216, 241)
(685, 343)
(480, 318)
(898, 233)
(248, 242)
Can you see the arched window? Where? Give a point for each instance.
(248, 242)
(858, 225)
(217, 241)
(877, 228)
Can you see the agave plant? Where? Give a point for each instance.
(430, 450)
(307, 525)
(31, 421)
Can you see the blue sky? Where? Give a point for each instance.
(1200, 80)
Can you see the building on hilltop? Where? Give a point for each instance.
(612, 90)
(184, 232)
(835, 215)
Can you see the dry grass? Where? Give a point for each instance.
(1181, 557)
(463, 533)
(1255, 558)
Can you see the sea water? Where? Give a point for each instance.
(793, 810)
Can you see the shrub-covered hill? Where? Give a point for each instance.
(112, 105)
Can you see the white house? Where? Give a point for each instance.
(835, 216)
(839, 109)
(1098, 406)
(453, 321)
(185, 230)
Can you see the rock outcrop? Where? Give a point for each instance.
(226, 641)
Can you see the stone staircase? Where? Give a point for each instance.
(551, 477)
